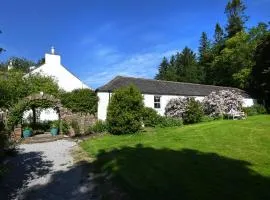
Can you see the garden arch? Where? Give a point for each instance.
(37, 100)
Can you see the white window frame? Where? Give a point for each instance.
(156, 103)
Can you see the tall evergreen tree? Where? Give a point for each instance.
(204, 48)
(162, 70)
(235, 11)
(186, 67)
(219, 34)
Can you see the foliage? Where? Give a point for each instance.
(16, 112)
(14, 86)
(176, 107)
(182, 67)
(55, 124)
(193, 112)
(75, 126)
(261, 70)
(256, 109)
(65, 127)
(99, 127)
(169, 122)
(217, 104)
(80, 100)
(194, 157)
(125, 111)
(18, 64)
(150, 117)
(236, 17)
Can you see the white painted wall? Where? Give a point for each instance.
(103, 103)
(48, 114)
(164, 99)
(53, 67)
(149, 102)
(65, 79)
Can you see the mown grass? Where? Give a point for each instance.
(214, 160)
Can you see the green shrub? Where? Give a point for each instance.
(125, 111)
(99, 127)
(75, 126)
(207, 118)
(55, 124)
(169, 122)
(256, 109)
(80, 100)
(150, 117)
(65, 127)
(193, 113)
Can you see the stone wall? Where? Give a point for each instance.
(83, 120)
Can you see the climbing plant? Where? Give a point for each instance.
(34, 101)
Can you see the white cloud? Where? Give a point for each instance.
(138, 65)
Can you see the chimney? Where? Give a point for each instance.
(52, 50)
(10, 65)
(52, 58)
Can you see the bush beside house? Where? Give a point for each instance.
(125, 111)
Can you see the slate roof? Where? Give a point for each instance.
(158, 87)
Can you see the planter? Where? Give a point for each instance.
(54, 131)
(27, 133)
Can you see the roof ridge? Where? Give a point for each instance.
(154, 80)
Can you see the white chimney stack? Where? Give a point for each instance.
(52, 50)
(52, 58)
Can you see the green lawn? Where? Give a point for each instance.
(214, 160)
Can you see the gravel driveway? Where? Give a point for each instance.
(46, 171)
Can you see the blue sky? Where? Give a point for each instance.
(99, 39)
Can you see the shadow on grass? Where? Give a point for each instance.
(148, 173)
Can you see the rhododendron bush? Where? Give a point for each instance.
(176, 107)
(220, 103)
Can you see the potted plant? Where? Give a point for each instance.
(54, 128)
(27, 132)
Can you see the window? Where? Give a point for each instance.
(156, 101)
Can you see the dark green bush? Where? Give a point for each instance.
(98, 127)
(80, 100)
(150, 117)
(125, 111)
(169, 122)
(193, 113)
(256, 109)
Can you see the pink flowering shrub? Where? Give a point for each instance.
(220, 103)
(176, 107)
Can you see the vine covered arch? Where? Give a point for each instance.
(37, 100)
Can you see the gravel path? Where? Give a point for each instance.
(46, 171)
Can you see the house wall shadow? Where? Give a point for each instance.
(148, 173)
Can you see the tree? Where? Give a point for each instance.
(125, 111)
(235, 11)
(187, 68)
(261, 70)
(219, 35)
(204, 49)
(163, 69)
(80, 100)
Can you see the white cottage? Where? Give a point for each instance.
(65, 79)
(157, 93)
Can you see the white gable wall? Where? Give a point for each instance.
(53, 67)
(149, 102)
(65, 79)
